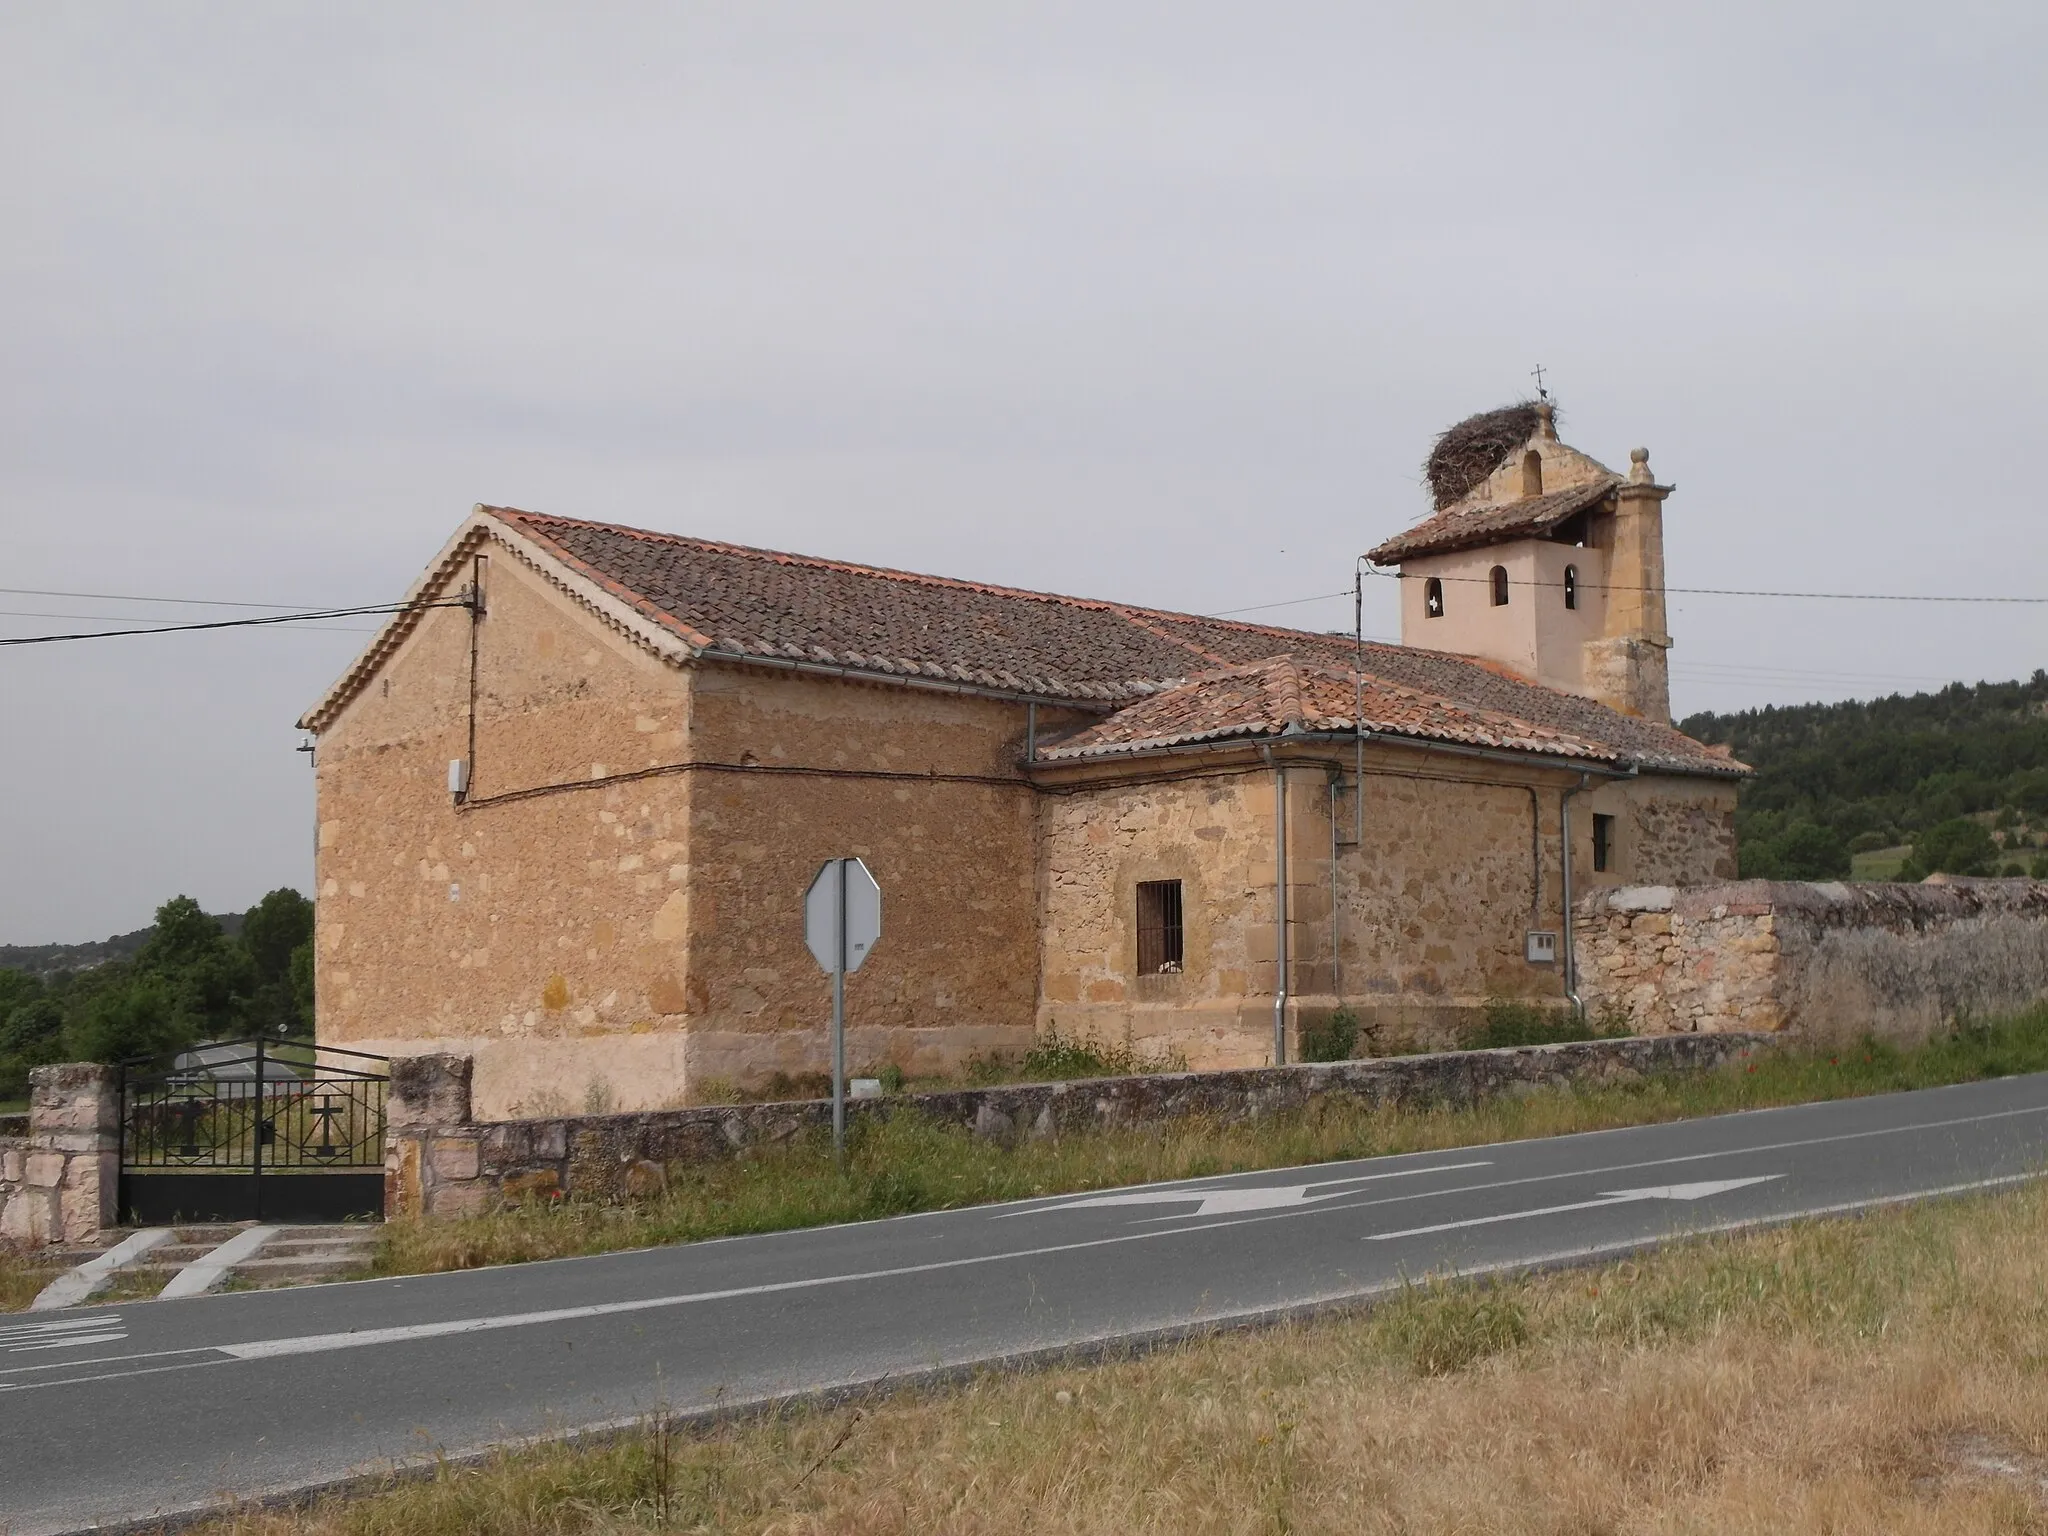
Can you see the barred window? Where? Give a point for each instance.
(1159, 928)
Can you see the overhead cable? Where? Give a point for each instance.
(281, 618)
(1836, 597)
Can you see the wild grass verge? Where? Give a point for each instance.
(1884, 1374)
(22, 1275)
(908, 1164)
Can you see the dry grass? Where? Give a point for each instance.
(1883, 1375)
(906, 1164)
(22, 1275)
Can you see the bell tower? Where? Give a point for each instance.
(1541, 560)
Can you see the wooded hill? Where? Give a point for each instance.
(1958, 778)
(188, 979)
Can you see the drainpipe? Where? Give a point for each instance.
(1571, 949)
(1279, 912)
(1336, 928)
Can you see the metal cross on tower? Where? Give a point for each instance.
(1537, 374)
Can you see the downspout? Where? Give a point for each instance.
(1336, 928)
(1280, 966)
(1571, 949)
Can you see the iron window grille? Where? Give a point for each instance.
(1603, 843)
(1160, 932)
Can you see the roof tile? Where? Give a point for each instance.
(763, 604)
(1469, 527)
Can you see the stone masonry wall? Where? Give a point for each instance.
(627, 934)
(440, 1163)
(60, 1183)
(1834, 961)
(1423, 922)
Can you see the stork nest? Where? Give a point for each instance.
(1466, 454)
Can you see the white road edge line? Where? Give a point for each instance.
(1554, 1258)
(320, 1343)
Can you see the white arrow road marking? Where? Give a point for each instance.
(61, 1333)
(1227, 1202)
(1615, 1197)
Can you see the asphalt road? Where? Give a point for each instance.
(110, 1414)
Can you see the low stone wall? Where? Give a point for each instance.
(60, 1182)
(441, 1164)
(1833, 961)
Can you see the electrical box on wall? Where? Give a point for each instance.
(1540, 947)
(458, 777)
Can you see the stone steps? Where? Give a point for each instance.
(292, 1255)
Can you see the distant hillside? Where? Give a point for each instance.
(46, 960)
(1951, 780)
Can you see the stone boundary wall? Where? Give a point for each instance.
(61, 1182)
(1833, 961)
(439, 1163)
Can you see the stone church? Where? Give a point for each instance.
(569, 801)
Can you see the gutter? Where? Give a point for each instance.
(1521, 759)
(1571, 952)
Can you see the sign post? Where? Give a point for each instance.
(842, 921)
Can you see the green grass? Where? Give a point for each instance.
(907, 1163)
(1879, 863)
(21, 1277)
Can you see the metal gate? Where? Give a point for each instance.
(253, 1130)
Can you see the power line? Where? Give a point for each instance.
(282, 618)
(103, 618)
(128, 597)
(1290, 602)
(1836, 597)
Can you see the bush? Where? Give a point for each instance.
(138, 1018)
(1958, 846)
(1512, 1021)
(1330, 1038)
(1803, 851)
(1869, 842)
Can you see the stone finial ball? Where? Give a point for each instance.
(1639, 455)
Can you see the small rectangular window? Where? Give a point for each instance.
(1159, 928)
(1603, 843)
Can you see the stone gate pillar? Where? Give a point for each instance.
(69, 1183)
(428, 1093)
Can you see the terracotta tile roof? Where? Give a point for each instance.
(1282, 695)
(730, 600)
(1463, 527)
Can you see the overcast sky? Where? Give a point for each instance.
(1159, 302)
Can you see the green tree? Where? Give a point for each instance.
(273, 928)
(302, 985)
(1805, 851)
(1958, 846)
(139, 1017)
(273, 933)
(207, 980)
